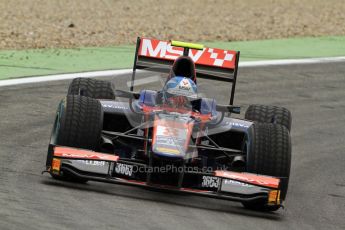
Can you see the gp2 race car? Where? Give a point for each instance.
(173, 139)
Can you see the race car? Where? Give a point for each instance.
(172, 138)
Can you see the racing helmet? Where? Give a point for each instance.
(178, 91)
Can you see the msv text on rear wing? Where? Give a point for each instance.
(210, 63)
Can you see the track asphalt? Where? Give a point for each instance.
(316, 198)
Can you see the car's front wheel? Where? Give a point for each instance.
(269, 153)
(78, 124)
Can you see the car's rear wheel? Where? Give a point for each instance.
(78, 124)
(269, 114)
(269, 153)
(93, 88)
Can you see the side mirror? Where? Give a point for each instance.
(228, 108)
(127, 94)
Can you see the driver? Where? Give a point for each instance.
(178, 91)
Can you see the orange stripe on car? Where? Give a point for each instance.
(249, 178)
(70, 153)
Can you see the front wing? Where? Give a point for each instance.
(220, 184)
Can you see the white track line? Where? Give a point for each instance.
(291, 61)
(58, 77)
(110, 73)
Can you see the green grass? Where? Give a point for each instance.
(34, 62)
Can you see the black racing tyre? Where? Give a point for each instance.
(269, 153)
(79, 124)
(93, 88)
(269, 114)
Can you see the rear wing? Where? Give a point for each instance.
(210, 63)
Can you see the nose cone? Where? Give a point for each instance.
(171, 136)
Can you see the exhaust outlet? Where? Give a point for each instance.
(238, 162)
(107, 145)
